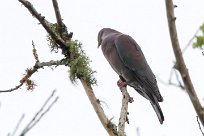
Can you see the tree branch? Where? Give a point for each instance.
(191, 40)
(17, 126)
(31, 71)
(58, 14)
(44, 23)
(124, 110)
(63, 39)
(98, 109)
(180, 61)
(94, 101)
(38, 116)
(12, 89)
(199, 126)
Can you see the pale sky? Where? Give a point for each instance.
(144, 20)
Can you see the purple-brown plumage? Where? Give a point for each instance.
(128, 61)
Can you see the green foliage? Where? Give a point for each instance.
(199, 39)
(79, 64)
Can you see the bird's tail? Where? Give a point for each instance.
(158, 111)
(153, 100)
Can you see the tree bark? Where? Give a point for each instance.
(180, 64)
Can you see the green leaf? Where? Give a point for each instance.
(199, 42)
(202, 28)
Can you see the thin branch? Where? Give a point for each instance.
(38, 116)
(137, 131)
(199, 126)
(180, 61)
(44, 23)
(31, 71)
(124, 110)
(18, 124)
(60, 24)
(178, 80)
(35, 52)
(12, 89)
(62, 29)
(57, 14)
(191, 40)
(173, 68)
(179, 84)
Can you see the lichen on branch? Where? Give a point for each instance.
(78, 61)
(79, 64)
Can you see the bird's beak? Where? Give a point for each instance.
(99, 44)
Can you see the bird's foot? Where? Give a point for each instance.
(121, 84)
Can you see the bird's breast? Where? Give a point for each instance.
(113, 58)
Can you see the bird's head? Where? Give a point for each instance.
(103, 33)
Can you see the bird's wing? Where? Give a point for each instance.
(133, 58)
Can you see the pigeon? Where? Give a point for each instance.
(128, 61)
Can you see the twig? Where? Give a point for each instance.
(44, 23)
(35, 52)
(62, 29)
(178, 80)
(60, 24)
(17, 126)
(38, 116)
(12, 89)
(170, 77)
(191, 40)
(31, 71)
(124, 110)
(137, 131)
(57, 14)
(170, 80)
(199, 126)
(180, 61)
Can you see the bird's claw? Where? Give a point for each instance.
(121, 84)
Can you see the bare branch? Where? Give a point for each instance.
(38, 116)
(62, 29)
(124, 110)
(17, 126)
(57, 14)
(180, 61)
(12, 89)
(179, 84)
(191, 40)
(44, 23)
(35, 53)
(30, 72)
(199, 126)
(137, 131)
